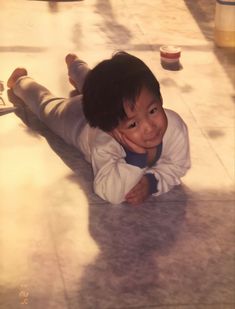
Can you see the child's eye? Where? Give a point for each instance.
(131, 125)
(153, 110)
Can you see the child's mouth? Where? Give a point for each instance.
(153, 137)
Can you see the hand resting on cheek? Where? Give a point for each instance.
(126, 142)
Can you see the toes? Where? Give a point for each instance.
(70, 58)
(17, 73)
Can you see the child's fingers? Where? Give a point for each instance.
(136, 200)
(133, 201)
(139, 193)
(134, 190)
(138, 189)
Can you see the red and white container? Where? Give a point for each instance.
(170, 56)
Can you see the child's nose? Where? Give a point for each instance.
(148, 126)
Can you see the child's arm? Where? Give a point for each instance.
(173, 164)
(175, 159)
(114, 178)
(140, 192)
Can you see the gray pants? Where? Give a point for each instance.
(63, 116)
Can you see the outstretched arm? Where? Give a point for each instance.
(114, 177)
(175, 159)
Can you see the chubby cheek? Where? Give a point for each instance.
(164, 123)
(128, 134)
(161, 122)
(135, 137)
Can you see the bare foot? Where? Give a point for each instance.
(17, 73)
(69, 59)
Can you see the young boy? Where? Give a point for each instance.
(136, 147)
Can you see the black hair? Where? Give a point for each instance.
(110, 83)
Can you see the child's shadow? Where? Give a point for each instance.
(126, 272)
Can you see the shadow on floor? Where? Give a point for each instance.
(159, 255)
(204, 14)
(115, 32)
(129, 238)
(53, 4)
(22, 49)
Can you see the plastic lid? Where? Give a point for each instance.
(170, 49)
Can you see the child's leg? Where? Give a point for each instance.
(77, 71)
(62, 116)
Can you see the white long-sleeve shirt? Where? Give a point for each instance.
(114, 177)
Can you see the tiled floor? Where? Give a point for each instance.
(61, 246)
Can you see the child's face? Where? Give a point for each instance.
(146, 124)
